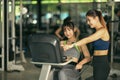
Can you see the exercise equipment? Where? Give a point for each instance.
(46, 51)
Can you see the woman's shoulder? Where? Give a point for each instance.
(101, 31)
(105, 33)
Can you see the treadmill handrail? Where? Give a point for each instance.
(55, 64)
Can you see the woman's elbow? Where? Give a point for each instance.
(88, 58)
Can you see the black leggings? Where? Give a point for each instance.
(101, 67)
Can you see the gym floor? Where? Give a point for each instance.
(32, 73)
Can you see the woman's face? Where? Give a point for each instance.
(91, 21)
(68, 32)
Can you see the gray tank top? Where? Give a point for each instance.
(73, 52)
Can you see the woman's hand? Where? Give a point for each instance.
(79, 66)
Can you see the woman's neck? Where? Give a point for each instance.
(71, 40)
(98, 26)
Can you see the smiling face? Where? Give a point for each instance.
(68, 32)
(92, 21)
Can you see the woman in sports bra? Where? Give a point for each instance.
(100, 41)
(68, 29)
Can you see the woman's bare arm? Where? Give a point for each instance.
(77, 32)
(86, 58)
(97, 35)
(57, 32)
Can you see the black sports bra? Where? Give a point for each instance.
(101, 44)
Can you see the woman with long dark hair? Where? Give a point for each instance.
(100, 40)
